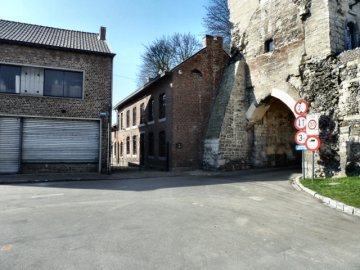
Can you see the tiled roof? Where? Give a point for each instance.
(30, 34)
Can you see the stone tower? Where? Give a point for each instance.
(286, 50)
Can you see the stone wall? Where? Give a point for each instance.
(308, 37)
(227, 140)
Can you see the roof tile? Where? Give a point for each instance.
(52, 37)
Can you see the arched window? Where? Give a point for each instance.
(351, 42)
(196, 73)
(269, 45)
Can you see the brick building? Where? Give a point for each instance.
(285, 51)
(54, 83)
(163, 124)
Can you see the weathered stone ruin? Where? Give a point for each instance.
(284, 51)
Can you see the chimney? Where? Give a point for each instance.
(102, 33)
(212, 41)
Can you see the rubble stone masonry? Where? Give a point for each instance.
(310, 60)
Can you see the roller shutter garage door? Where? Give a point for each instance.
(9, 144)
(60, 141)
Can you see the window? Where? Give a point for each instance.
(142, 113)
(162, 106)
(162, 144)
(151, 110)
(134, 145)
(151, 144)
(350, 36)
(134, 117)
(10, 79)
(117, 152)
(121, 121)
(269, 45)
(121, 149)
(59, 83)
(127, 118)
(196, 73)
(128, 145)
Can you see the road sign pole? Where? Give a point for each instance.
(303, 164)
(313, 165)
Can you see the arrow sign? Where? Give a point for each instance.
(300, 122)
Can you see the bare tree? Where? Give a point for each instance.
(165, 53)
(217, 20)
(184, 46)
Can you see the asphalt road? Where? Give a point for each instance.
(228, 221)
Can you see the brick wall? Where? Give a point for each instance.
(192, 98)
(97, 87)
(190, 92)
(155, 126)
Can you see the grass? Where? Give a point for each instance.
(346, 190)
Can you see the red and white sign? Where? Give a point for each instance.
(300, 123)
(313, 143)
(312, 124)
(300, 137)
(301, 107)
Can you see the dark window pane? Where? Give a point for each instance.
(134, 116)
(127, 145)
(134, 145)
(10, 79)
(269, 45)
(54, 83)
(162, 106)
(350, 36)
(128, 118)
(73, 83)
(151, 110)
(63, 83)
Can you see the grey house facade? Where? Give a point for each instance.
(54, 85)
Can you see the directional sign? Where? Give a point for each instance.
(300, 123)
(312, 124)
(313, 143)
(300, 147)
(300, 137)
(301, 107)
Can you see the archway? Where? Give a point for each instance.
(273, 132)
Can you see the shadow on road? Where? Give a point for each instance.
(175, 181)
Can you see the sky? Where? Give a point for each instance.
(130, 24)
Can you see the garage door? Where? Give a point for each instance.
(9, 144)
(64, 141)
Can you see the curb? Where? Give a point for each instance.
(327, 201)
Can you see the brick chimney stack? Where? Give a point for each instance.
(212, 41)
(102, 33)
